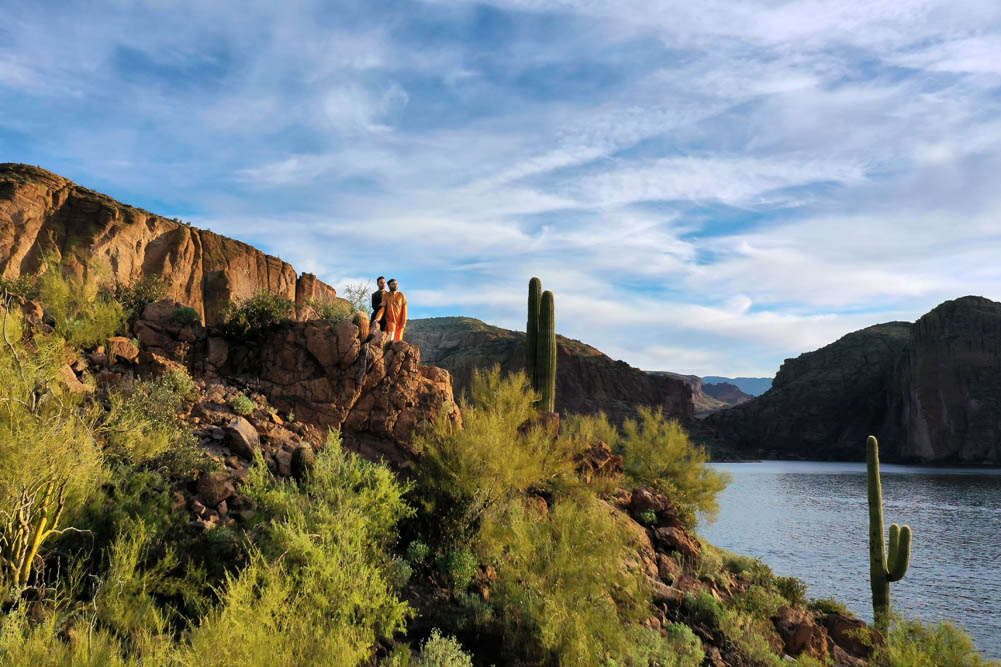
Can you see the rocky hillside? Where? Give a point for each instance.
(707, 397)
(45, 215)
(587, 381)
(929, 391)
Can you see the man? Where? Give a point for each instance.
(394, 310)
(377, 301)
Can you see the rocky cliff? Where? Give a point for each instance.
(45, 215)
(587, 381)
(945, 404)
(930, 391)
(822, 404)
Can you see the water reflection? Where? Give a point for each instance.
(810, 520)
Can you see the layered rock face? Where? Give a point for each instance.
(45, 215)
(946, 397)
(587, 381)
(822, 404)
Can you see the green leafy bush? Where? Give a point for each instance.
(135, 297)
(263, 310)
(459, 567)
(792, 589)
(141, 422)
(827, 606)
(418, 552)
(657, 453)
(678, 648)
(185, 315)
(439, 651)
(703, 608)
(242, 405)
(648, 517)
(83, 315)
(333, 311)
(25, 287)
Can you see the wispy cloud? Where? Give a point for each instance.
(708, 187)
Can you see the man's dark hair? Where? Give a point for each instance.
(391, 280)
(380, 278)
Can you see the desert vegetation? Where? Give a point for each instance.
(519, 537)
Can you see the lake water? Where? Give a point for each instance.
(810, 520)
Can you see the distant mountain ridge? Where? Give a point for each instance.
(587, 380)
(750, 386)
(708, 398)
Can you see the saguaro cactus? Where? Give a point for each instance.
(532, 331)
(547, 352)
(540, 344)
(883, 570)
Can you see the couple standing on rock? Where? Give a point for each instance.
(389, 308)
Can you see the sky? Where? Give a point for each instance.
(707, 187)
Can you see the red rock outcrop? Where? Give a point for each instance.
(319, 371)
(587, 381)
(42, 214)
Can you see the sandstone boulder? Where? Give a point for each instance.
(121, 348)
(800, 633)
(242, 438)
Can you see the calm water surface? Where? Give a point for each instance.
(810, 520)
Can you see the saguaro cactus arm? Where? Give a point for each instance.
(900, 552)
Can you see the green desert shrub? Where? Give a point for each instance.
(703, 608)
(418, 552)
(332, 535)
(263, 310)
(50, 457)
(827, 606)
(750, 635)
(679, 647)
(242, 405)
(792, 589)
(144, 291)
(465, 473)
(563, 592)
(332, 311)
(83, 314)
(913, 643)
(25, 287)
(458, 566)
(185, 315)
(142, 418)
(442, 651)
(657, 453)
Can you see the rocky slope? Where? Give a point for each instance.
(729, 394)
(45, 215)
(587, 381)
(708, 397)
(930, 391)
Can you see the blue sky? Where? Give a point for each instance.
(707, 187)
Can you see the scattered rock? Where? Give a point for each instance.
(121, 348)
(852, 634)
(242, 438)
(670, 538)
(214, 487)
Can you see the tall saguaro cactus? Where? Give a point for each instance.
(532, 331)
(883, 569)
(540, 344)
(547, 352)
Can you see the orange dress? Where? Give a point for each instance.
(394, 305)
